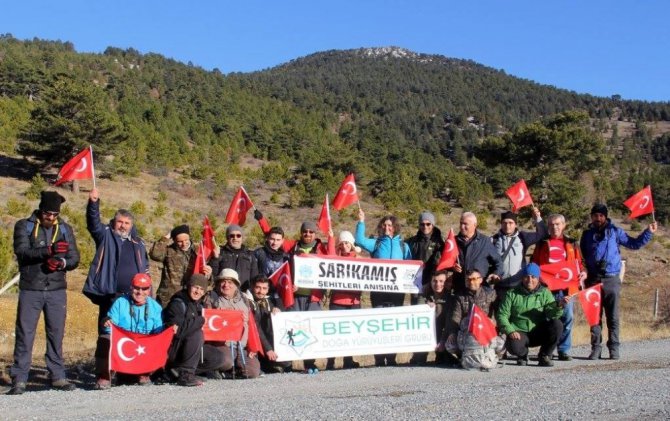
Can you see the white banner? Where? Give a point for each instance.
(334, 272)
(302, 335)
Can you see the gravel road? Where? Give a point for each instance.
(635, 387)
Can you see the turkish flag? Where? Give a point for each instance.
(254, 343)
(449, 252)
(640, 203)
(560, 275)
(237, 213)
(78, 168)
(200, 259)
(324, 218)
(283, 284)
(481, 327)
(591, 299)
(207, 238)
(136, 353)
(347, 194)
(519, 195)
(222, 325)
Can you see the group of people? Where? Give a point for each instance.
(492, 273)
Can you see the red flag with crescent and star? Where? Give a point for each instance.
(640, 203)
(241, 204)
(200, 259)
(324, 222)
(254, 343)
(347, 194)
(207, 238)
(222, 325)
(481, 327)
(78, 168)
(591, 299)
(136, 353)
(519, 195)
(283, 284)
(449, 252)
(560, 275)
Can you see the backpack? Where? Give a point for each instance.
(474, 355)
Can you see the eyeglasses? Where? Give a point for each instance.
(49, 213)
(141, 289)
(425, 224)
(474, 278)
(308, 232)
(235, 236)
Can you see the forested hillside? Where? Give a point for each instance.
(418, 130)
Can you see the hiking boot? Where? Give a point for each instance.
(63, 385)
(214, 375)
(614, 354)
(18, 388)
(544, 361)
(564, 356)
(102, 384)
(595, 353)
(189, 380)
(144, 380)
(522, 360)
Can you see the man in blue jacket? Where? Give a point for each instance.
(45, 249)
(475, 252)
(600, 249)
(120, 254)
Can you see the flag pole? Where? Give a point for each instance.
(653, 212)
(90, 147)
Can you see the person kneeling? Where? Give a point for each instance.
(135, 312)
(184, 313)
(530, 316)
(226, 295)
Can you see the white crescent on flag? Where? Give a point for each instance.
(82, 166)
(645, 202)
(210, 323)
(119, 349)
(350, 191)
(479, 318)
(282, 280)
(588, 294)
(243, 205)
(569, 271)
(450, 245)
(522, 195)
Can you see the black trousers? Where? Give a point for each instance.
(545, 336)
(31, 305)
(193, 355)
(611, 291)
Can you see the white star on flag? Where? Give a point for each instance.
(140, 350)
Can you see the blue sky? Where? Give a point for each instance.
(588, 46)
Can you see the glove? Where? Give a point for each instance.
(55, 264)
(59, 247)
(258, 215)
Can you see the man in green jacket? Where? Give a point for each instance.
(530, 316)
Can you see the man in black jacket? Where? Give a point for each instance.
(235, 255)
(475, 252)
(45, 249)
(184, 313)
(426, 246)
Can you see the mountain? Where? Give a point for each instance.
(418, 130)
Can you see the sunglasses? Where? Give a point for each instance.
(235, 236)
(425, 224)
(49, 213)
(141, 289)
(308, 232)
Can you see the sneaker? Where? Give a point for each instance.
(544, 361)
(63, 385)
(564, 356)
(214, 375)
(595, 353)
(144, 380)
(522, 360)
(189, 380)
(614, 354)
(18, 388)
(102, 384)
